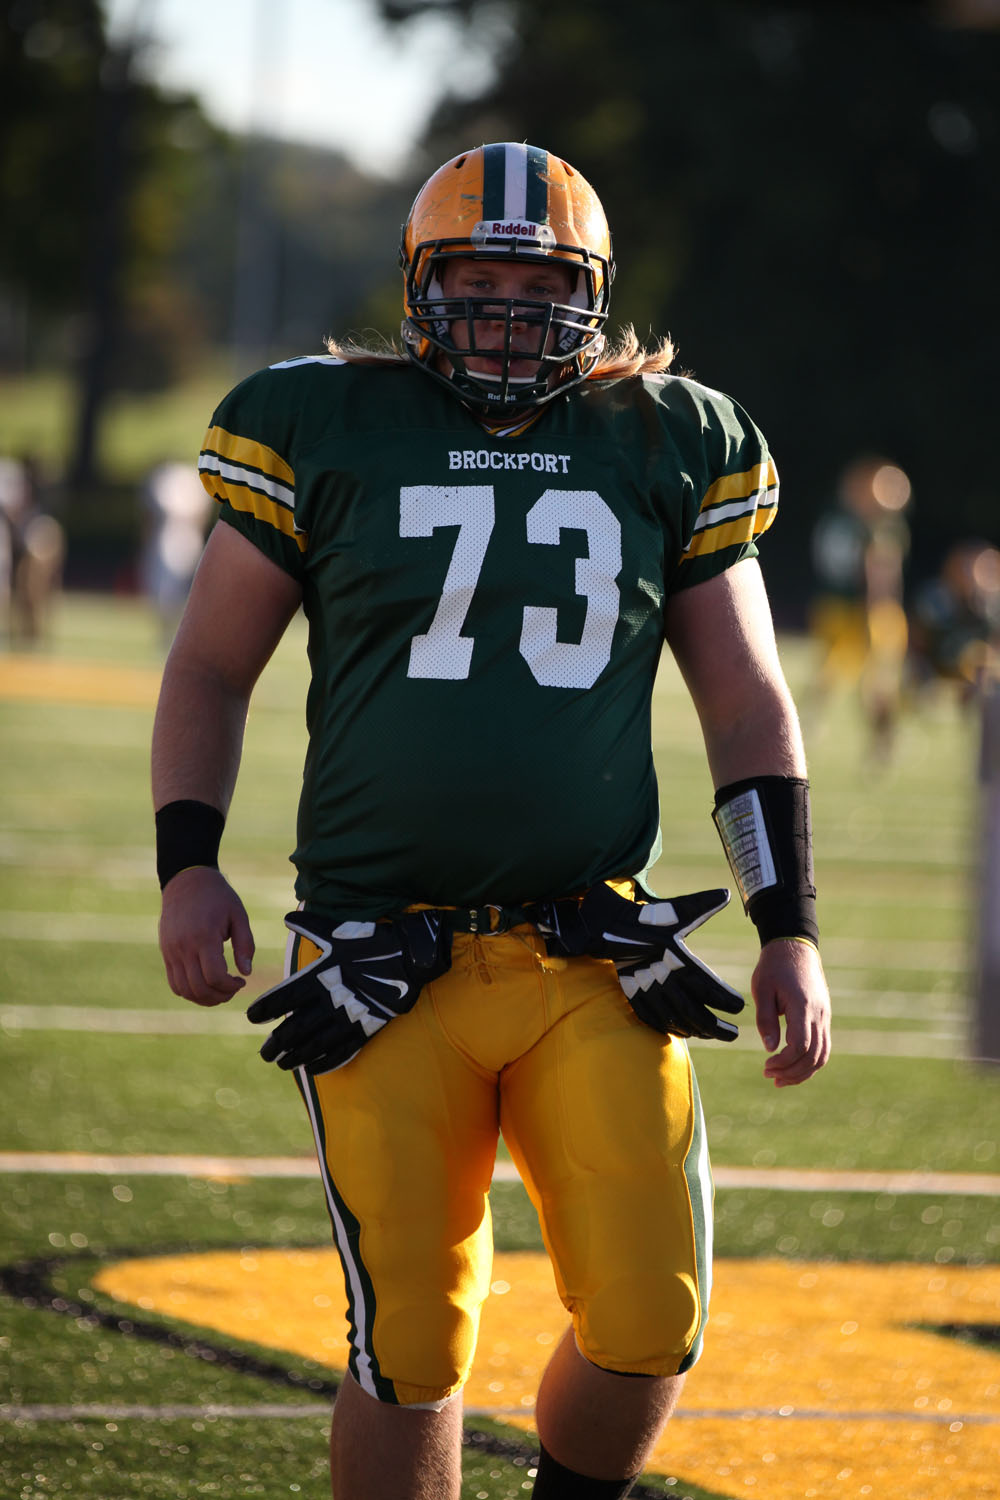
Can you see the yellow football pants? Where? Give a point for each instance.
(601, 1116)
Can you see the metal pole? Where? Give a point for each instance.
(255, 273)
(986, 1017)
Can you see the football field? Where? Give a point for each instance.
(172, 1317)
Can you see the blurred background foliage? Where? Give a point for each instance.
(806, 196)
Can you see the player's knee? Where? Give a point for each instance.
(646, 1324)
(424, 1355)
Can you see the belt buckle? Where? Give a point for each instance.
(480, 920)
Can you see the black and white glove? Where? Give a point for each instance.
(367, 974)
(666, 985)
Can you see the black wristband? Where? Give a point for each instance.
(766, 831)
(187, 833)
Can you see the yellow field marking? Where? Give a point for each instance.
(889, 1411)
(35, 679)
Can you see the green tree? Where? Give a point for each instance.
(50, 57)
(83, 237)
(137, 238)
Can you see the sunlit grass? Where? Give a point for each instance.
(78, 902)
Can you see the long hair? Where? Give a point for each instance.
(619, 360)
(627, 357)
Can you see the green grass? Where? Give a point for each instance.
(107, 1091)
(93, 1060)
(122, 1460)
(869, 1113)
(38, 415)
(139, 1094)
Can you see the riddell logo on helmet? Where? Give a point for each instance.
(512, 229)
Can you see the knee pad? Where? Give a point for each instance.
(419, 1357)
(645, 1325)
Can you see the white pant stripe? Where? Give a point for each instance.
(364, 1364)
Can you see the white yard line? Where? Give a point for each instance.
(781, 1179)
(274, 1410)
(185, 1019)
(192, 1020)
(114, 927)
(105, 1411)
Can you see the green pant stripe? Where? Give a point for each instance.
(698, 1171)
(362, 1361)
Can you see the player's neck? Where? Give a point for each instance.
(513, 425)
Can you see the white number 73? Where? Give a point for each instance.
(444, 652)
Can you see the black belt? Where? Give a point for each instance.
(488, 920)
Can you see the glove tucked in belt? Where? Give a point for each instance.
(367, 973)
(665, 984)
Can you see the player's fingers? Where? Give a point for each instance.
(176, 978)
(200, 911)
(179, 976)
(768, 1021)
(210, 973)
(242, 940)
(805, 1051)
(191, 985)
(784, 1072)
(200, 975)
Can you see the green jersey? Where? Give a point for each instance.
(486, 615)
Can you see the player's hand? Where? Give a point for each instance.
(665, 984)
(367, 974)
(201, 913)
(789, 982)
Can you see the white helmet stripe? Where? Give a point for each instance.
(515, 194)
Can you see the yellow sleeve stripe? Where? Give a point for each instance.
(249, 455)
(252, 479)
(748, 485)
(730, 534)
(736, 508)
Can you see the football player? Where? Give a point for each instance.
(493, 530)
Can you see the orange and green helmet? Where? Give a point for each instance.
(500, 202)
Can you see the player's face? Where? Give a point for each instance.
(507, 281)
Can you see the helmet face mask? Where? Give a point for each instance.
(513, 205)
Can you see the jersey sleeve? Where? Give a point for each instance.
(247, 466)
(734, 491)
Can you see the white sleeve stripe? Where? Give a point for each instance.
(731, 510)
(252, 479)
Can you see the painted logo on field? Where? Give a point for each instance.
(817, 1379)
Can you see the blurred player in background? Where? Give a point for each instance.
(955, 620)
(32, 554)
(175, 511)
(858, 619)
(493, 532)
